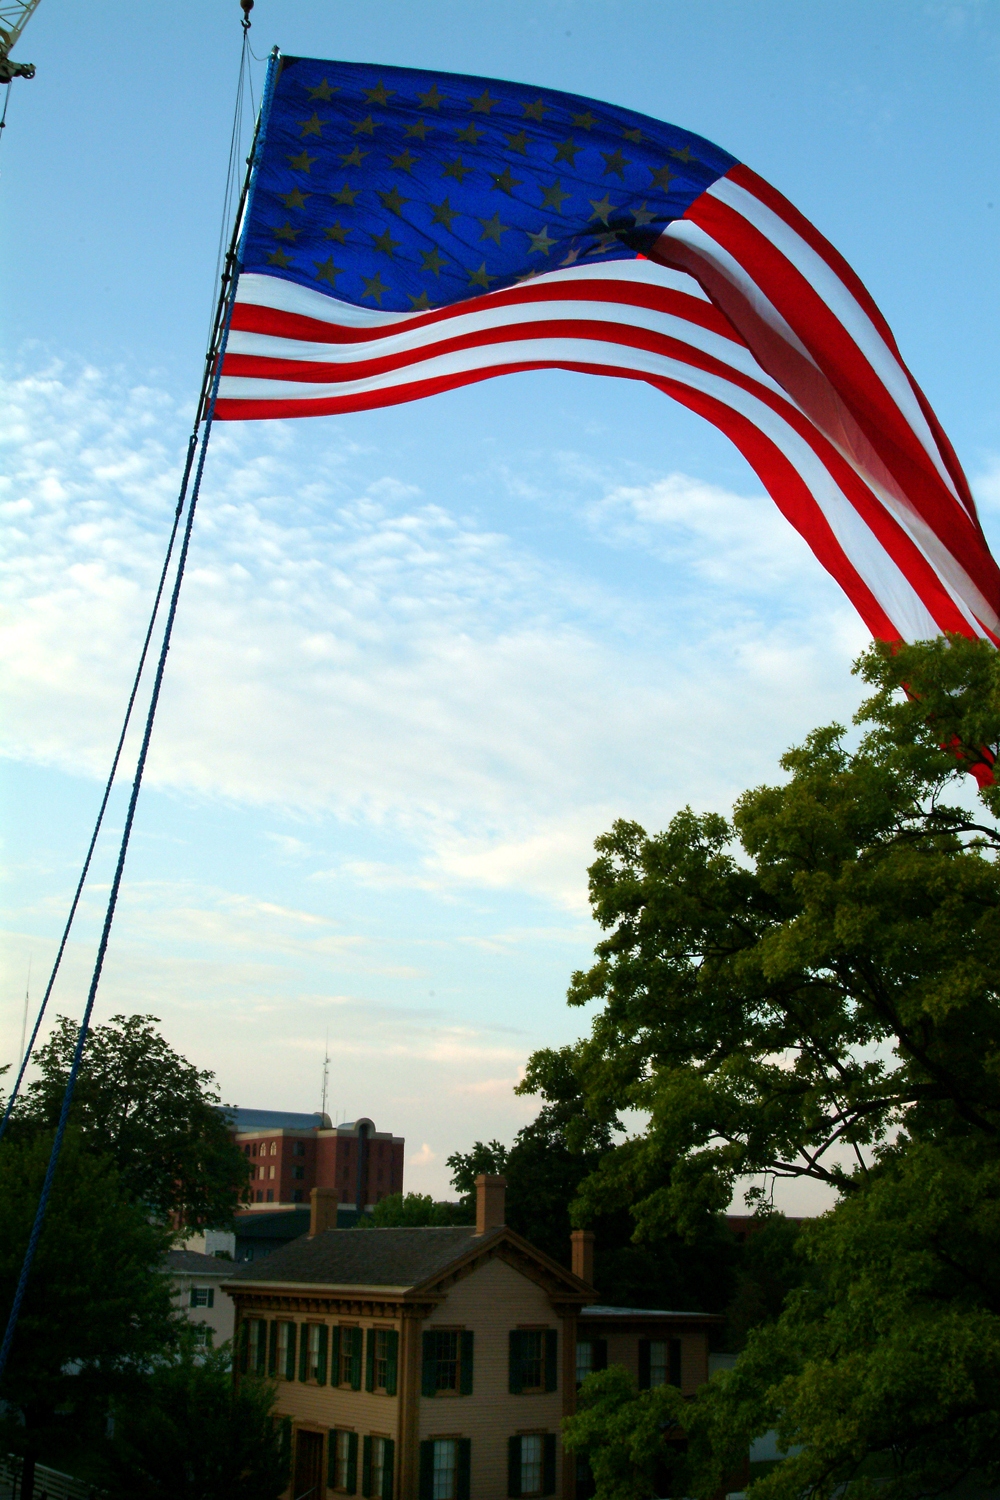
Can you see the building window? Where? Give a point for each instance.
(591, 1355)
(315, 1334)
(286, 1351)
(445, 1360)
(445, 1469)
(274, 1148)
(298, 1174)
(531, 1464)
(260, 1196)
(349, 1340)
(202, 1296)
(297, 1195)
(380, 1473)
(270, 1173)
(533, 1360)
(659, 1362)
(344, 1461)
(246, 1150)
(270, 1195)
(257, 1344)
(298, 1148)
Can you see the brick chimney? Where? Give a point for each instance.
(582, 1241)
(322, 1209)
(491, 1194)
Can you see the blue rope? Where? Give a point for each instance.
(192, 448)
(214, 375)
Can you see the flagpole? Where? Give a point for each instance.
(204, 415)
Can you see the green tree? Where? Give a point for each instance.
(412, 1211)
(812, 990)
(149, 1109)
(544, 1174)
(187, 1432)
(96, 1308)
(633, 1441)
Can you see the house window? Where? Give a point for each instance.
(584, 1361)
(531, 1464)
(445, 1469)
(298, 1174)
(532, 1360)
(257, 1345)
(446, 1346)
(286, 1350)
(659, 1362)
(341, 1468)
(383, 1340)
(349, 1371)
(381, 1463)
(202, 1296)
(316, 1357)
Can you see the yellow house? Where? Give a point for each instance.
(436, 1364)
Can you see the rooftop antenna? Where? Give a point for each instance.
(326, 1067)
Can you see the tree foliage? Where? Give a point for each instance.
(154, 1113)
(544, 1173)
(810, 990)
(96, 1309)
(810, 975)
(187, 1432)
(413, 1211)
(632, 1440)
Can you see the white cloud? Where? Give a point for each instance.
(423, 1157)
(356, 648)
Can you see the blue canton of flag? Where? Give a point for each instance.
(402, 190)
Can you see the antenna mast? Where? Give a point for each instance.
(326, 1068)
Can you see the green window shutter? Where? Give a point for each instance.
(428, 1380)
(356, 1337)
(600, 1354)
(211, 1297)
(290, 1357)
(551, 1359)
(467, 1343)
(261, 1346)
(352, 1463)
(243, 1346)
(335, 1354)
(549, 1464)
(426, 1491)
(463, 1487)
(304, 1352)
(321, 1372)
(644, 1364)
(675, 1362)
(391, 1366)
(331, 1459)
(370, 1362)
(272, 1350)
(192, 1298)
(515, 1372)
(388, 1467)
(514, 1467)
(286, 1440)
(366, 1466)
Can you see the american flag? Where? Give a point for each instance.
(410, 232)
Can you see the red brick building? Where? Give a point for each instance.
(290, 1154)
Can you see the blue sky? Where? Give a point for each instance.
(424, 655)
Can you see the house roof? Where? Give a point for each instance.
(193, 1263)
(401, 1260)
(398, 1258)
(594, 1311)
